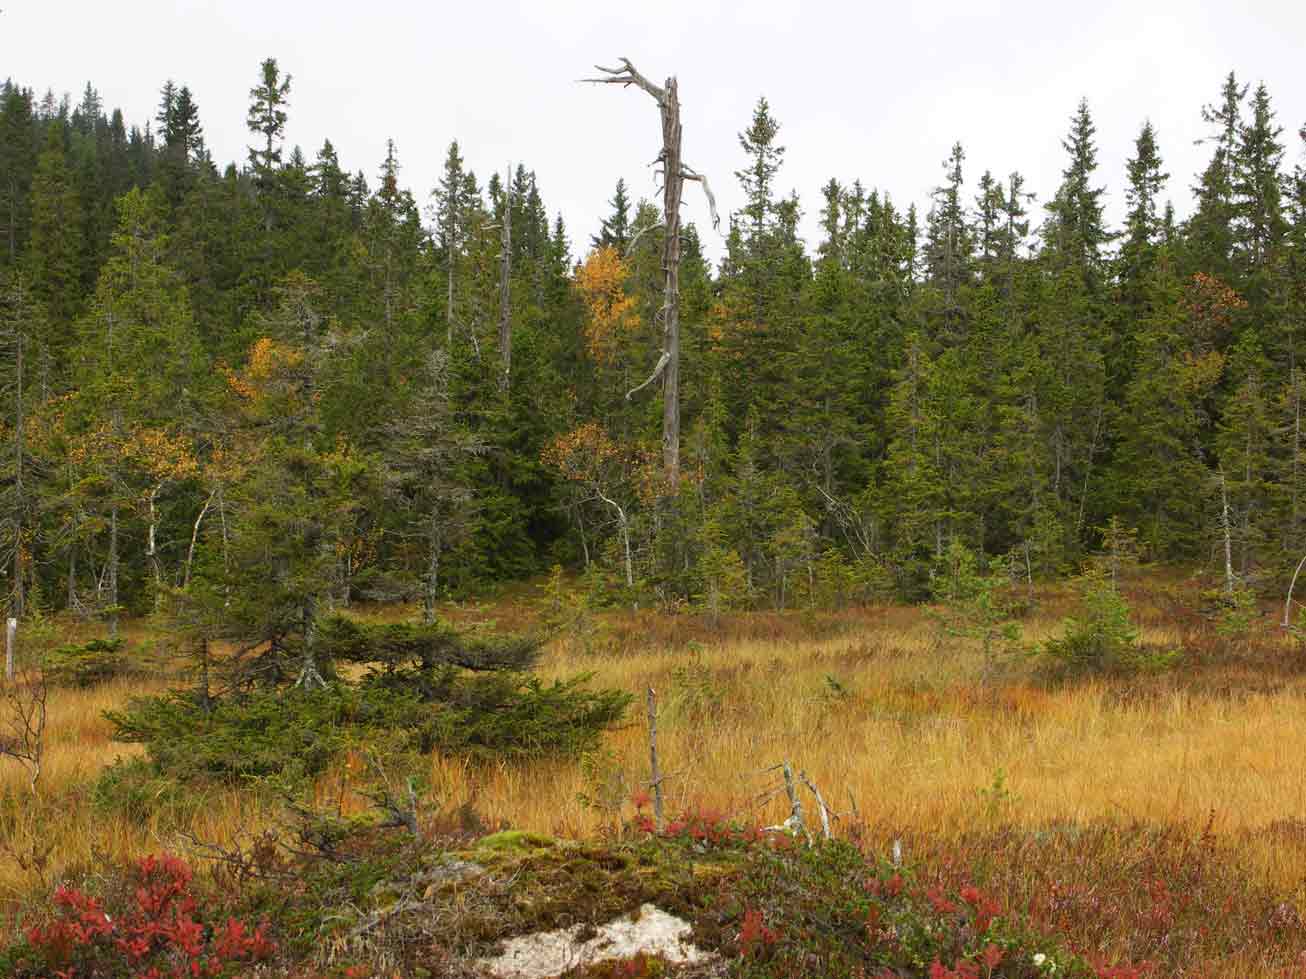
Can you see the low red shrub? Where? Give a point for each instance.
(160, 935)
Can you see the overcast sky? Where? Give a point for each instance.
(870, 90)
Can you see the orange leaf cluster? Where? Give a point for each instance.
(601, 281)
(267, 359)
(1211, 305)
(581, 454)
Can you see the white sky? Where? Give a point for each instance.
(873, 90)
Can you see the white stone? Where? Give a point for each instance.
(551, 953)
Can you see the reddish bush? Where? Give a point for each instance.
(755, 938)
(160, 935)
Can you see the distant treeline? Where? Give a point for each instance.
(256, 391)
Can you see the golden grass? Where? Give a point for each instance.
(914, 736)
(918, 737)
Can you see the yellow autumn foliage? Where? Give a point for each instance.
(611, 313)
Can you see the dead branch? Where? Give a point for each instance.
(820, 804)
(657, 372)
(1287, 604)
(674, 174)
(688, 173)
(630, 246)
(626, 75)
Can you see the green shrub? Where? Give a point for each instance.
(134, 788)
(1103, 639)
(696, 693)
(425, 645)
(297, 732)
(1234, 612)
(973, 605)
(86, 664)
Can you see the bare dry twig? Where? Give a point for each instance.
(24, 706)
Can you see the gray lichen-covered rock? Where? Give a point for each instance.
(649, 931)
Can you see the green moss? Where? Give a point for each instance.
(515, 841)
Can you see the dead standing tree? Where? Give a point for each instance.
(674, 175)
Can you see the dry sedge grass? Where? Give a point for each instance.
(918, 741)
(883, 712)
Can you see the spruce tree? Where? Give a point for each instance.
(615, 229)
(1143, 222)
(267, 118)
(949, 245)
(54, 263)
(17, 164)
(1210, 236)
(138, 367)
(1076, 233)
(1257, 198)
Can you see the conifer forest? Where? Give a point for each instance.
(399, 574)
(216, 368)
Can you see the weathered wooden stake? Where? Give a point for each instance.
(11, 635)
(795, 804)
(654, 769)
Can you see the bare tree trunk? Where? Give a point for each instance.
(505, 285)
(309, 676)
(19, 503)
(194, 538)
(672, 189)
(113, 571)
(584, 541)
(226, 539)
(431, 583)
(1228, 540)
(152, 547)
(624, 526)
(674, 175)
